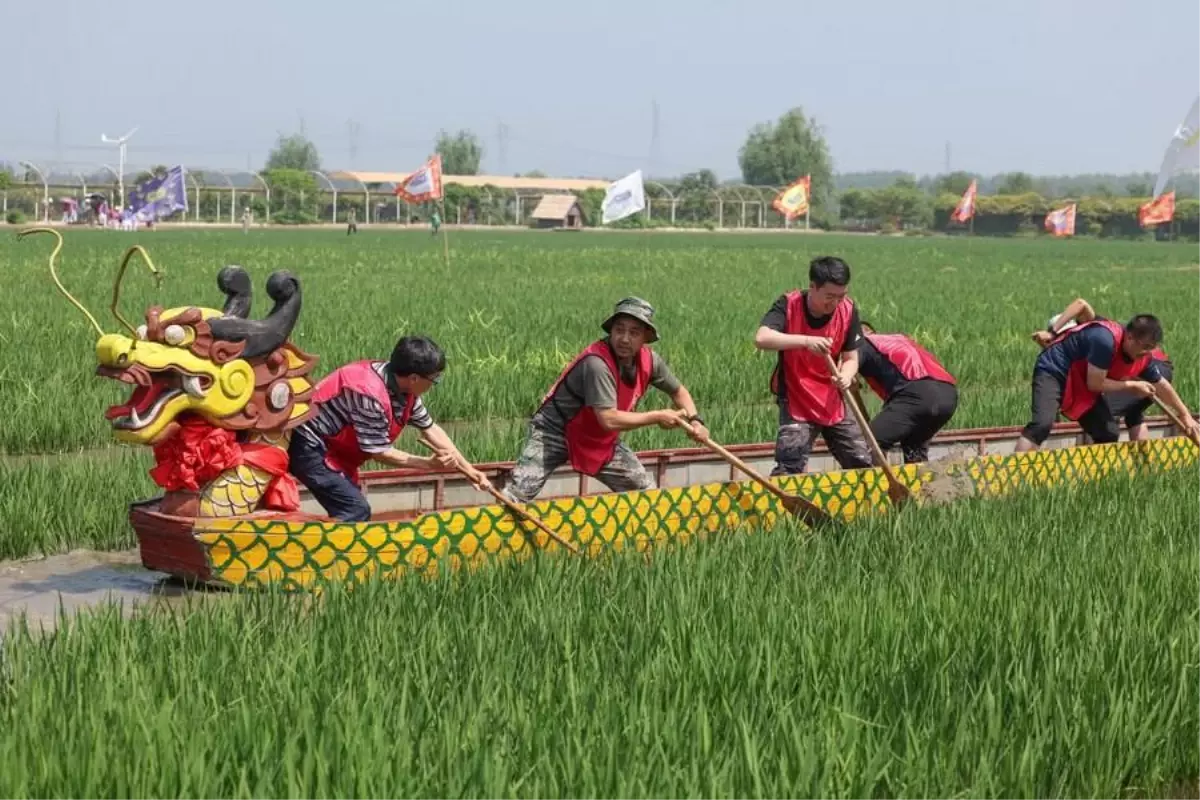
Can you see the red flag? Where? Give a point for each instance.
(966, 205)
(1061, 222)
(424, 184)
(1157, 211)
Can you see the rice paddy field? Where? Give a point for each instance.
(1042, 645)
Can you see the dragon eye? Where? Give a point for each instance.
(174, 334)
(141, 332)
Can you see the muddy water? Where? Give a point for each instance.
(78, 580)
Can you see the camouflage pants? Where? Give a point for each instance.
(546, 451)
(795, 442)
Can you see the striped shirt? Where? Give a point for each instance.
(364, 414)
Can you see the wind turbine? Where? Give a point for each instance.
(120, 142)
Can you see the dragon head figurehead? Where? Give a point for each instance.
(215, 393)
(237, 373)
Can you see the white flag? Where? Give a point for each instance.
(1183, 153)
(624, 197)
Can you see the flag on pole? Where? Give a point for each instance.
(423, 185)
(966, 205)
(623, 197)
(1061, 222)
(793, 201)
(159, 198)
(1159, 210)
(1183, 153)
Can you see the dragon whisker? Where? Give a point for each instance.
(54, 274)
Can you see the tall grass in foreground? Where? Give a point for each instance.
(1044, 645)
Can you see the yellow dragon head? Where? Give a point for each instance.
(237, 373)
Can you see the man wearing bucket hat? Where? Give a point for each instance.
(581, 418)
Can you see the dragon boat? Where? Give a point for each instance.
(217, 394)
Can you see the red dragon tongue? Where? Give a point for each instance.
(142, 399)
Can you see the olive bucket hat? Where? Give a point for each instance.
(637, 308)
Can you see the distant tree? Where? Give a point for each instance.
(294, 152)
(157, 171)
(1138, 189)
(954, 183)
(1015, 183)
(533, 173)
(775, 154)
(461, 153)
(704, 180)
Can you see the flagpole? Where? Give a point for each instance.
(445, 233)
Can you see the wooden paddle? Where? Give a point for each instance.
(1178, 422)
(811, 514)
(511, 506)
(898, 492)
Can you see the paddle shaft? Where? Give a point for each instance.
(1178, 422)
(880, 458)
(810, 510)
(511, 506)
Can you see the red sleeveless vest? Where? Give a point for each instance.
(811, 396)
(589, 445)
(909, 358)
(341, 450)
(1077, 397)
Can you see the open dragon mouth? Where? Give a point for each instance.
(154, 388)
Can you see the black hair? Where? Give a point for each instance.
(416, 355)
(828, 269)
(1145, 328)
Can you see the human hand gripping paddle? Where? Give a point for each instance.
(1187, 430)
(897, 491)
(511, 506)
(807, 511)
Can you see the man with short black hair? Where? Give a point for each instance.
(1079, 367)
(1128, 405)
(804, 326)
(581, 418)
(919, 395)
(361, 409)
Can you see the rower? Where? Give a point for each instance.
(919, 396)
(1127, 405)
(362, 409)
(581, 418)
(804, 327)
(1080, 366)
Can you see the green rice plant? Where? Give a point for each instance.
(1043, 645)
(58, 503)
(513, 308)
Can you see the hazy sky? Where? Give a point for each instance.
(1049, 86)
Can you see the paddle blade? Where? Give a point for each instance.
(809, 513)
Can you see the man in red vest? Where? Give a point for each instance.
(1080, 366)
(804, 326)
(1127, 405)
(362, 408)
(919, 396)
(581, 418)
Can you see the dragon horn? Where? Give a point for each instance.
(137, 248)
(54, 273)
(264, 335)
(235, 284)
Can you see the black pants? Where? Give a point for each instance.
(1131, 406)
(912, 415)
(1098, 422)
(336, 493)
(352, 228)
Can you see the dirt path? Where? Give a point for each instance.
(80, 579)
